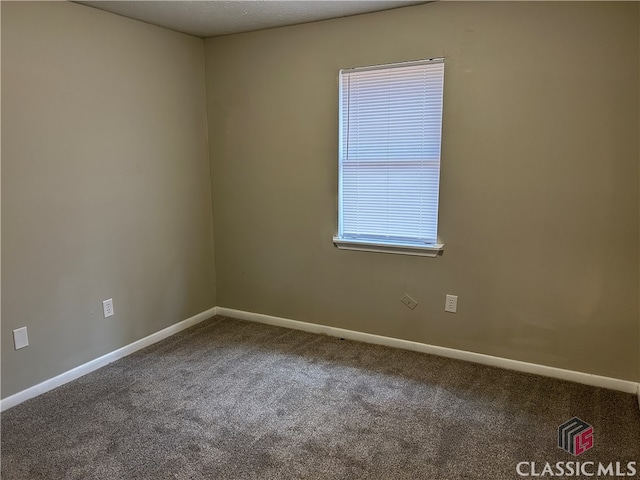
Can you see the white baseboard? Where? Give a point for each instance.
(578, 377)
(99, 362)
(559, 373)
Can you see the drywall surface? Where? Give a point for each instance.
(539, 183)
(105, 185)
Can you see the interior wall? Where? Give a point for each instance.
(105, 185)
(539, 185)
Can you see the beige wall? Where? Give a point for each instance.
(106, 192)
(105, 185)
(539, 195)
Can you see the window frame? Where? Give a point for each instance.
(379, 245)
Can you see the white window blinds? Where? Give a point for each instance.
(390, 131)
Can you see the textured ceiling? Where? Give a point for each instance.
(211, 18)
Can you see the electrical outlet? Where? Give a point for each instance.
(20, 338)
(107, 307)
(408, 301)
(451, 304)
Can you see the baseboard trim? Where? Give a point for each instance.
(99, 362)
(553, 372)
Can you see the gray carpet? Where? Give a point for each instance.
(229, 399)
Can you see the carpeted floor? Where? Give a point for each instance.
(229, 399)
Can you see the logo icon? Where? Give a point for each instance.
(575, 436)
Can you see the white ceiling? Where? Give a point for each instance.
(217, 17)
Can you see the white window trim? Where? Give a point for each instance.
(379, 247)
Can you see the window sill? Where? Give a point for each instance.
(367, 246)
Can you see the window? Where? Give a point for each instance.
(389, 166)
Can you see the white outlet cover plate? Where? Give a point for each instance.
(107, 308)
(451, 304)
(20, 338)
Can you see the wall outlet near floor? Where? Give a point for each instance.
(107, 307)
(408, 301)
(451, 304)
(20, 338)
